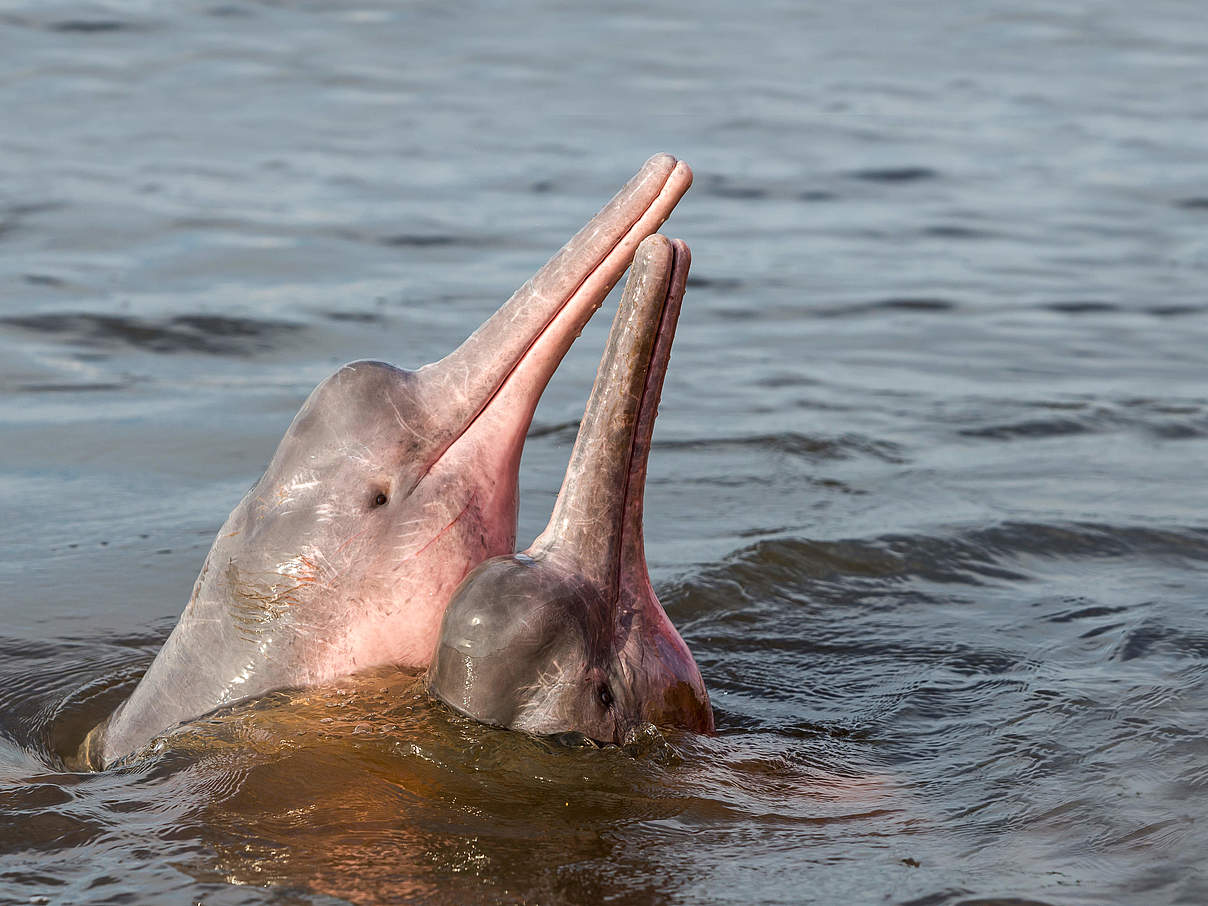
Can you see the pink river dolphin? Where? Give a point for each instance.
(387, 489)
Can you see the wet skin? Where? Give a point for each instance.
(569, 635)
(388, 487)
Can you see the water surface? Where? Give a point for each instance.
(927, 496)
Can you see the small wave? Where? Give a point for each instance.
(355, 317)
(80, 387)
(1081, 307)
(909, 303)
(1152, 637)
(36, 818)
(956, 231)
(420, 240)
(74, 684)
(207, 334)
(787, 566)
(73, 26)
(791, 443)
(894, 174)
(90, 26)
(721, 186)
(1175, 311)
(43, 280)
(725, 284)
(1162, 420)
(13, 216)
(1032, 428)
(563, 431)
(1084, 613)
(725, 187)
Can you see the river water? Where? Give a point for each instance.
(927, 496)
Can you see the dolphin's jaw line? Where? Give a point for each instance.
(632, 498)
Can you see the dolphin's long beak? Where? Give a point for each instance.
(504, 366)
(597, 520)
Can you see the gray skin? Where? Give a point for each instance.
(569, 637)
(388, 488)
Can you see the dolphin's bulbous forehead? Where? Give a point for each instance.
(382, 408)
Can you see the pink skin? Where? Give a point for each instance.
(388, 487)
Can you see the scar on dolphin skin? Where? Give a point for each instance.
(569, 635)
(453, 427)
(256, 605)
(452, 522)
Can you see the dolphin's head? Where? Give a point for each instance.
(569, 636)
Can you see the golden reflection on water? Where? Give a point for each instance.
(370, 793)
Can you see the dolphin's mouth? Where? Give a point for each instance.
(597, 521)
(632, 543)
(516, 351)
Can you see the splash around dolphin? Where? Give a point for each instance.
(569, 635)
(387, 489)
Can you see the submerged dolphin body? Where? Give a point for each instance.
(389, 486)
(569, 636)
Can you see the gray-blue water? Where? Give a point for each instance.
(927, 496)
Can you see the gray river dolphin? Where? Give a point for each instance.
(388, 488)
(569, 635)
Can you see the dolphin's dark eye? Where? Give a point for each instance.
(380, 499)
(604, 694)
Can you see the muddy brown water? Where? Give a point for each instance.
(927, 496)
